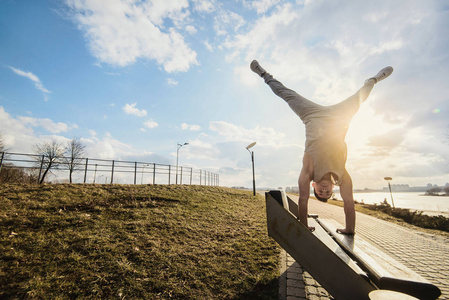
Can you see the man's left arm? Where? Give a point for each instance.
(348, 201)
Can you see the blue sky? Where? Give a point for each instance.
(132, 79)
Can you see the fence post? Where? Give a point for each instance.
(169, 173)
(1, 161)
(154, 173)
(191, 171)
(135, 171)
(112, 173)
(85, 170)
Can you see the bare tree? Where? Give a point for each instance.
(2, 143)
(74, 151)
(2, 150)
(50, 154)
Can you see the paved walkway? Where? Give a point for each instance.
(427, 255)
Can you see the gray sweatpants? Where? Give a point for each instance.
(306, 109)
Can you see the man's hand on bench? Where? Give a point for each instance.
(345, 231)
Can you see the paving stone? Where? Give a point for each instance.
(295, 275)
(311, 290)
(297, 292)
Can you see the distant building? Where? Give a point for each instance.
(293, 189)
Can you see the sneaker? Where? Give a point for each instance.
(256, 68)
(384, 73)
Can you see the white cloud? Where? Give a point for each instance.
(107, 147)
(171, 82)
(47, 124)
(204, 5)
(191, 29)
(209, 47)
(122, 32)
(19, 132)
(185, 126)
(37, 83)
(232, 132)
(227, 22)
(261, 6)
(150, 124)
(130, 109)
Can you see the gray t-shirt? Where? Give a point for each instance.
(326, 129)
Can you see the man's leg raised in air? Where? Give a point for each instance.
(351, 105)
(300, 105)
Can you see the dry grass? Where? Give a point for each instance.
(134, 242)
(403, 217)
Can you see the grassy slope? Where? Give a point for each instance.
(125, 241)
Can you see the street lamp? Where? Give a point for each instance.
(388, 179)
(252, 160)
(95, 173)
(143, 168)
(177, 157)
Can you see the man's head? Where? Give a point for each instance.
(323, 189)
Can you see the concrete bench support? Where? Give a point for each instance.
(346, 266)
(334, 274)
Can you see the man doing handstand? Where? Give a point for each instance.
(325, 147)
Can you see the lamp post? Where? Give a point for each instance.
(252, 160)
(177, 158)
(95, 173)
(143, 168)
(388, 179)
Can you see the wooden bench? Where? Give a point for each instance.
(385, 272)
(346, 266)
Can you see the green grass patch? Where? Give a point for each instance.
(134, 242)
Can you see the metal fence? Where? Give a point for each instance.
(93, 170)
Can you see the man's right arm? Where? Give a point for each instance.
(304, 189)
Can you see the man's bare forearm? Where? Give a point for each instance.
(303, 203)
(305, 177)
(348, 202)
